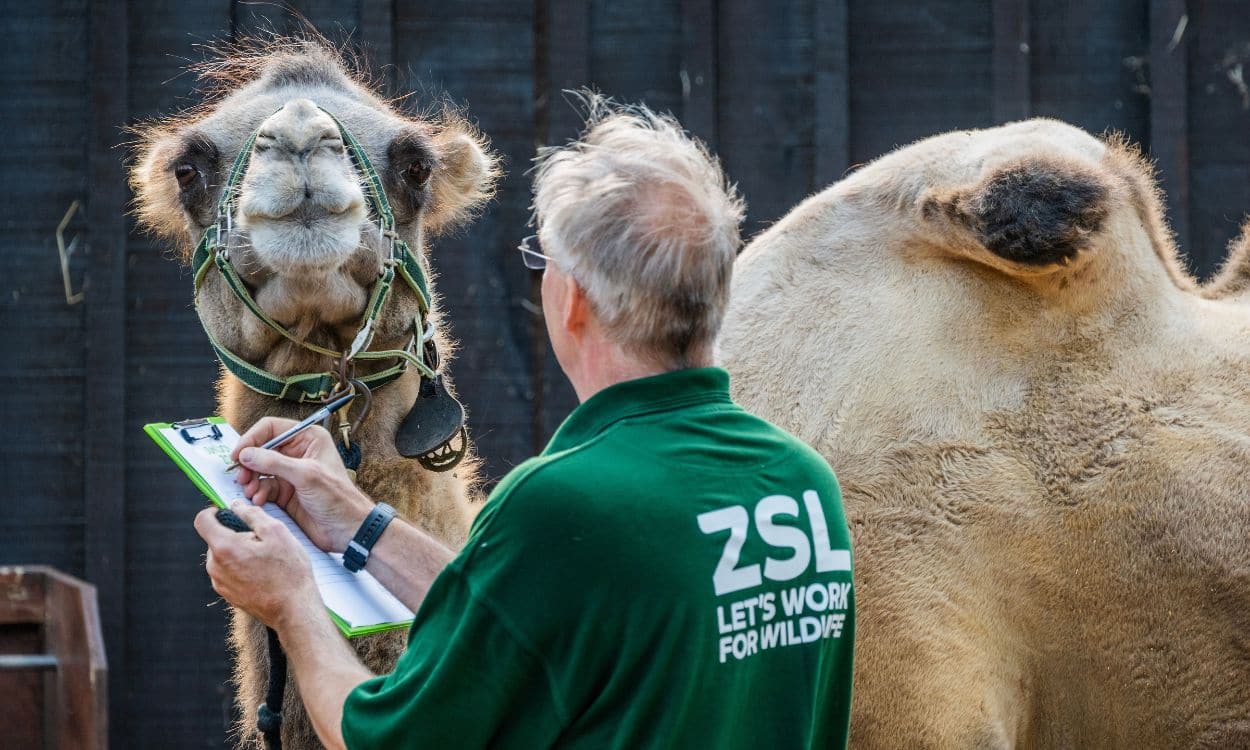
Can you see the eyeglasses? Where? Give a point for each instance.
(530, 255)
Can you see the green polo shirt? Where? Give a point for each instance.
(670, 572)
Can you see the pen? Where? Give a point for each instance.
(307, 422)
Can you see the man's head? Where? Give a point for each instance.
(642, 227)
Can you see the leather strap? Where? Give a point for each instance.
(357, 552)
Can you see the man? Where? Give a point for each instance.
(670, 572)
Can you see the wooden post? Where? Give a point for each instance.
(52, 663)
(1169, 109)
(1012, 87)
(104, 437)
(833, 104)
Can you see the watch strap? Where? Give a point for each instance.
(358, 549)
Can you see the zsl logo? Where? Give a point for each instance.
(728, 577)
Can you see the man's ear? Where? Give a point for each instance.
(577, 311)
(466, 176)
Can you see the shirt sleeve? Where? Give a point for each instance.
(466, 681)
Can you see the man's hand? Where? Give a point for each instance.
(306, 478)
(263, 572)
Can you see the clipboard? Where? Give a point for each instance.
(357, 602)
(153, 430)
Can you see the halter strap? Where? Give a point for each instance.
(212, 252)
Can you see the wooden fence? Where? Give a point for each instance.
(790, 94)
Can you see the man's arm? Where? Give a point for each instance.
(243, 566)
(326, 669)
(406, 560)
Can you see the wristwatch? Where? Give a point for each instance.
(357, 552)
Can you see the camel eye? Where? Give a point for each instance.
(417, 174)
(186, 174)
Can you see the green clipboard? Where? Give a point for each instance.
(153, 430)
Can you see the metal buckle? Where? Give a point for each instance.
(185, 430)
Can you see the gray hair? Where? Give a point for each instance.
(643, 218)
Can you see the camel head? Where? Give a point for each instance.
(304, 237)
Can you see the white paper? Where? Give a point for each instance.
(357, 598)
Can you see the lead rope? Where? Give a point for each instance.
(269, 721)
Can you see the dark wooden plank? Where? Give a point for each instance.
(458, 48)
(337, 20)
(105, 287)
(918, 67)
(562, 62)
(1169, 109)
(1218, 37)
(765, 132)
(636, 52)
(832, 95)
(178, 645)
(698, 68)
(1011, 60)
(43, 73)
(377, 37)
(1089, 65)
(261, 17)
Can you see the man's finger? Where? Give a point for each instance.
(261, 432)
(253, 516)
(264, 461)
(210, 529)
(266, 490)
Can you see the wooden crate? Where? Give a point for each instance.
(52, 665)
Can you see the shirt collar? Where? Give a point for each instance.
(664, 392)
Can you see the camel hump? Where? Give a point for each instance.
(1039, 211)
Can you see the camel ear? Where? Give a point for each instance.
(1033, 213)
(465, 178)
(156, 202)
(1234, 277)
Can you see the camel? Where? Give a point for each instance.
(306, 243)
(1041, 425)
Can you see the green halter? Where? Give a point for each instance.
(212, 252)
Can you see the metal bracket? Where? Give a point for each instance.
(71, 297)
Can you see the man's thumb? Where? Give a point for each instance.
(265, 461)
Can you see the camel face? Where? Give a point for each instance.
(303, 236)
(301, 204)
(1041, 424)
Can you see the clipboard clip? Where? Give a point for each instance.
(185, 427)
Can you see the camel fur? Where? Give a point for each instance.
(1041, 424)
(309, 250)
